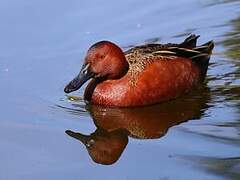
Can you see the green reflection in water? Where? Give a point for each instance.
(232, 41)
(228, 167)
(232, 45)
(216, 2)
(225, 167)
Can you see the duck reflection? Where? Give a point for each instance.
(104, 147)
(115, 125)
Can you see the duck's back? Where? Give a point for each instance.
(156, 73)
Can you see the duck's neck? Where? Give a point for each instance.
(90, 88)
(117, 68)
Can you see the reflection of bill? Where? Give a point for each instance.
(114, 125)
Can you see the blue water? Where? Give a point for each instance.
(42, 45)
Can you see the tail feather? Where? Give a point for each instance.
(190, 42)
(205, 48)
(202, 60)
(199, 54)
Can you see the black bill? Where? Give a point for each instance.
(84, 75)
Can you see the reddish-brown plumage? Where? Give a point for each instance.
(161, 81)
(144, 75)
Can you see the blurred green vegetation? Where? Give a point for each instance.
(215, 2)
(232, 40)
(228, 167)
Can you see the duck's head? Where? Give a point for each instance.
(104, 60)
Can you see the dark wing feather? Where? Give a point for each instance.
(187, 49)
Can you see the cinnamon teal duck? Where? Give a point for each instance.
(143, 75)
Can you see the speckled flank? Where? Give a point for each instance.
(138, 61)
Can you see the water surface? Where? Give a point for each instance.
(41, 48)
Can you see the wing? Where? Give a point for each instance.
(151, 52)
